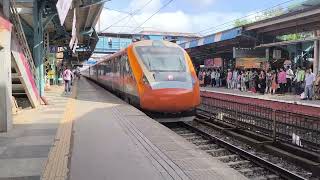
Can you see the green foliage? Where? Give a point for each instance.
(265, 15)
(295, 36)
(238, 22)
(290, 37)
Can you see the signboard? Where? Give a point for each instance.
(217, 62)
(248, 53)
(53, 49)
(213, 63)
(248, 63)
(63, 7)
(208, 63)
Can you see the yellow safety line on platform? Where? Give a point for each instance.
(56, 167)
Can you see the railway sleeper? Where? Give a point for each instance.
(206, 147)
(219, 152)
(194, 138)
(200, 141)
(186, 135)
(228, 158)
(267, 177)
(181, 131)
(240, 164)
(251, 172)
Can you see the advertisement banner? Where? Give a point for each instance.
(74, 31)
(248, 63)
(63, 7)
(213, 63)
(208, 63)
(217, 62)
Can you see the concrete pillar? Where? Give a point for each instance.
(5, 72)
(316, 59)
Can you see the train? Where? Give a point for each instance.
(155, 76)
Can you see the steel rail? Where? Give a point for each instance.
(247, 155)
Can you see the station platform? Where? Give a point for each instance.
(25, 148)
(113, 140)
(287, 102)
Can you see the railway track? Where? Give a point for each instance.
(244, 161)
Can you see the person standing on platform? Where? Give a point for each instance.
(274, 85)
(218, 80)
(268, 82)
(308, 90)
(200, 77)
(246, 78)
(282, 80)
(250, 78)
(243, 81)
(213, 78)
(262, 82)
(317, 87)
(208, 77)
(289, 77)
(229, 79)
(67, 77)
(299, 79)
(235, 79)
(255, 81)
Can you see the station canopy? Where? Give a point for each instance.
(87, 15)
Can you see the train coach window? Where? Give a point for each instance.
(162, 59)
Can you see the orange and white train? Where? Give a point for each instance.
(156, 76)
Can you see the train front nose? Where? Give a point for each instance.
(170, 100)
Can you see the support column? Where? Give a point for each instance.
(316, 57)
(38, 46)
(5, 71)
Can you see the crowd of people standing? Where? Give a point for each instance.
(300, 81)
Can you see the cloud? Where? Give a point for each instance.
(175, 21)
(149, 6)
(202, 2)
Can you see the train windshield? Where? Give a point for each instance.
(162, 59)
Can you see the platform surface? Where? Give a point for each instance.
(113, 140)
(287, 98)
(25, 148)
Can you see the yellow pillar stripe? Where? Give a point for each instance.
(56, 167)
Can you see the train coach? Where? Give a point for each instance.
(156, 76)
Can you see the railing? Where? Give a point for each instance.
(15, 19)
(298, 129)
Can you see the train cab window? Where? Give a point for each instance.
(162, 59)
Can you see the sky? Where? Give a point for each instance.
(193, 16)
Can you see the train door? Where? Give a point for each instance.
(113, 71)
(122, 73)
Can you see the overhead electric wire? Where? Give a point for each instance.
(223, 24)
(130, 14)
(125, 12)
(162, 7)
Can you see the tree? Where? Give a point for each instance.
(239, 22)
